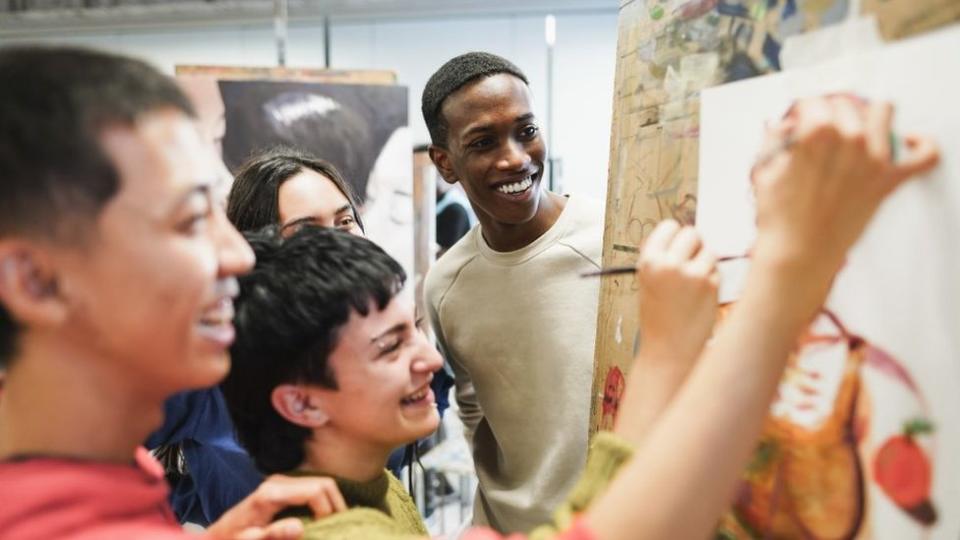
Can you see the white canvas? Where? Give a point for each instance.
(900, 288)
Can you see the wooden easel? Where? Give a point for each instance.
(668, 51)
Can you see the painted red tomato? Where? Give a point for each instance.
(902, 469)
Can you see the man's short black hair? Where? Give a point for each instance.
(54, 103)
(288, 317)
(254, 200)
(454, 75)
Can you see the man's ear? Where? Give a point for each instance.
(299, 405)
(441, 159)
(28, 286)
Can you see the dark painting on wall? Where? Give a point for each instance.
(346, 124)
(360, 128)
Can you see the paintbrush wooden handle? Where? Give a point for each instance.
(619, 270)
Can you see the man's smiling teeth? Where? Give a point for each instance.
(222, 314)
(516, 187)
(413, 398)
(216, 323)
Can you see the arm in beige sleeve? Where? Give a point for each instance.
(678, 282)
(469, 407)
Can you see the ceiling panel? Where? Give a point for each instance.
(26, 17)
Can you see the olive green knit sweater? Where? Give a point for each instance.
(383, 510)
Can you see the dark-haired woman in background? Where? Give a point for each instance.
(287, 187)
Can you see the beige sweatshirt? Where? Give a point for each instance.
(518, 329)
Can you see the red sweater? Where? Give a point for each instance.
(579, 531)
(46, 497)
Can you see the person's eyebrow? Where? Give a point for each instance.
(480, 128)
(299, 221)
(345, 208)
(204, 188)
(223, 181)
(399, 327)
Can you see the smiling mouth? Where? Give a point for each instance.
(418, 397)
(516, 187)
(217, 322)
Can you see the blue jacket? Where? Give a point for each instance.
(220, 473)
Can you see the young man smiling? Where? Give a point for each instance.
(507, 304)
(117, 274)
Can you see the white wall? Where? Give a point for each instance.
(585, 59)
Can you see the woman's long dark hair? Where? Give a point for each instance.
(253, 202)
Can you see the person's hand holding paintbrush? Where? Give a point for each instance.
(902, 156)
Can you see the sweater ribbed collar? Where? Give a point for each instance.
(370, 494)
(531, 250)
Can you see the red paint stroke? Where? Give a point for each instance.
(612, 392)
(884, 363)
(695, 8)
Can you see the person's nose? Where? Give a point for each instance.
(234, 254)
(514, 157)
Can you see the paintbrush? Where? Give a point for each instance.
(618, 270)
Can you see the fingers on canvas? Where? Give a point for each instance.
(815, 123)
(879, 120)
(849, 117)
(922, 155)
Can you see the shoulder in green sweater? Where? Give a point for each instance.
(383, 510)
